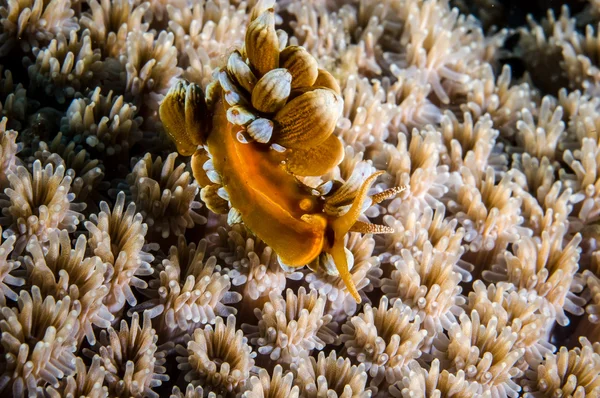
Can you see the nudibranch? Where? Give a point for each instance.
(264, 123)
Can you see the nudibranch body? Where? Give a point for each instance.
(266, 121)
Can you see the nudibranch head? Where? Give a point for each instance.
(267, 121)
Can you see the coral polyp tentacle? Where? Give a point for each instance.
(266, 122)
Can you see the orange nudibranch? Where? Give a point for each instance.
(267, 119)
(271, 201)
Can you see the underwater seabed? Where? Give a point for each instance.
(301, 198)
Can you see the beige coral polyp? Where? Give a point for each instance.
(384, 339)
(487, 354)
(330, 376)
(217, 357)
(419, 382)
(68, 65)
(288, 327)
(117, 237)
(9, 281)
(548, 266)
(572, 373)
(87, 174)
(39, 342)
(428, 284)
(8, 152)
(103, 123)
(165, 195)
(86, 382)
(39, 202)
(251, 264)
(60, 270)
(33, 23)
(189, 291)
(278, 385)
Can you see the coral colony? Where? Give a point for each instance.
(299, 199)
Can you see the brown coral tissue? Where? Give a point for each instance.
(299, 198)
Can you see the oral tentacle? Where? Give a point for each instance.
(342, 225)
